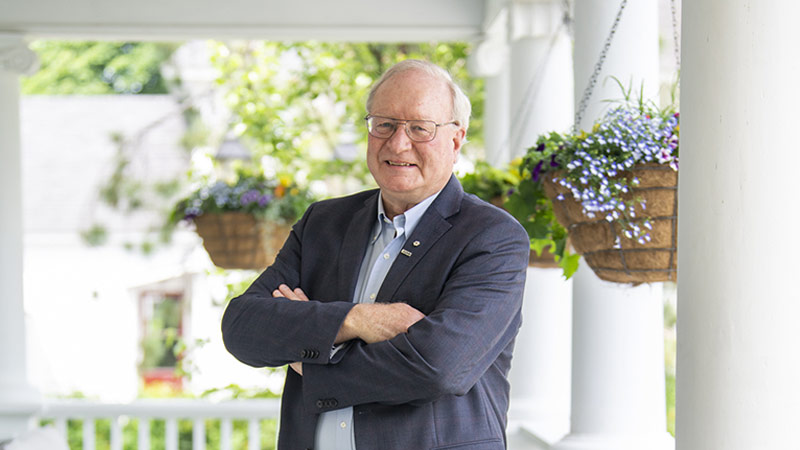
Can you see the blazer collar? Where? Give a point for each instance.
(431, 227)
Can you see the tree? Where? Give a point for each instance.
(294, 100)
(93, 68)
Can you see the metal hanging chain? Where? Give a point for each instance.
(587, 93)
(675, 38)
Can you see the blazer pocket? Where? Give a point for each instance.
(486, 444)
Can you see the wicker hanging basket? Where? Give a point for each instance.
(237, 240)
(627, 261)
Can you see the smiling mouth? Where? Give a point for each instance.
(399, 164)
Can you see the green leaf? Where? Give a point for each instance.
(569, 263)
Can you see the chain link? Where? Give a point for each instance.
(675, 37)
(598, 67)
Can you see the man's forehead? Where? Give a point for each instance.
(412, 94)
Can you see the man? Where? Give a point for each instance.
(396, 308)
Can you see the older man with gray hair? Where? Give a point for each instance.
(396, 308)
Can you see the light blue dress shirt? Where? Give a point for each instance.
(335, 428)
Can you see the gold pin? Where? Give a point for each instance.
(405, 252)
(415, 244)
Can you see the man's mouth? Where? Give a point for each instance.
(399, 164)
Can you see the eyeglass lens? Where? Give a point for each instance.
(417, 130)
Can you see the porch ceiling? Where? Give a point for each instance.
(331, 20)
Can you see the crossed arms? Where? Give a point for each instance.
(371, 323)
(459, 315)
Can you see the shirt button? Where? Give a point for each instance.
(343, 424)
(385, 256)
(372, 296)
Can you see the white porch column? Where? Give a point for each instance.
(489, 60)
(541, 72)
(541, 101)
(15, 58)
(738, 361)
(618, 395)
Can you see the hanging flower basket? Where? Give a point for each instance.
(237, 240)
(243, 222)
(604, 245)
(614, 189)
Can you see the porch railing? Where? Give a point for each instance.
(170, 411)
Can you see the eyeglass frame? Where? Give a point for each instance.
(405, 126)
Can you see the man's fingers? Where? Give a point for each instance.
(300, 294)
(292, 294)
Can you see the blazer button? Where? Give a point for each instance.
(320, 404)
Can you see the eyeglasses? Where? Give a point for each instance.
(417, 130)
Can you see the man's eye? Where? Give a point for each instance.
(384, 125)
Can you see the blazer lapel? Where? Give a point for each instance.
(354, 245)
(430, 228)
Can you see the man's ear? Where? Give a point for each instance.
(458, 140)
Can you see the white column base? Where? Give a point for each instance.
(661, 441)
(536, 419)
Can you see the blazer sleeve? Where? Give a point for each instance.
(260, 330)
(476, 319)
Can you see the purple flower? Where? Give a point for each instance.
(266, 198)
(540, 147)
(254, 196)
(537, 171)
(553, 162)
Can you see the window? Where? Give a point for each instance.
(161, 331)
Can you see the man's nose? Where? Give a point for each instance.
(400, 139)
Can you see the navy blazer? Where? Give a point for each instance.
(441, 385)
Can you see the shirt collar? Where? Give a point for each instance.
(412, 216)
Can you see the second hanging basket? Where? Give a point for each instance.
(237, 240)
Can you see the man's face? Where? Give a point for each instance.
(407, 171)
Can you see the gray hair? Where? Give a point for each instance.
(461, 105)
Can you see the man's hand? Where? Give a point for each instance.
(377, 322)
(296, 294)
(292, 294)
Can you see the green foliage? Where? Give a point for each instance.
(529, 204)
(234, 391)
(95, 236)
(92, 68)
(294, 99)
(670, 386)
(490, 183)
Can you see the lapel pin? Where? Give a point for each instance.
(415, 244)
(405, 252)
